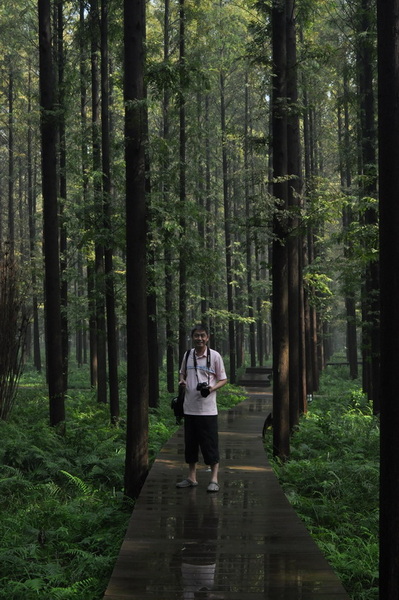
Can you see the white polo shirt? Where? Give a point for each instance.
(194, 403)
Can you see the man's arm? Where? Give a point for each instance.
(218, 385)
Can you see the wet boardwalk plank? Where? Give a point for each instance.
(244, 543)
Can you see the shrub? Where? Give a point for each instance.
(13, 327)
(332, 481)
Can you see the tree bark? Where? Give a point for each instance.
(388, 119)
(11, 210)
(368, 144)
(170, 369)
(37, 360)
(84, 76)
(347, 220)
(248, 241)
(296, 362)
(48, 126)
(281, 425)
(227, 234)
(136, 465)
(99, 269)
(182, 183)
(63, 189)
(111, 324)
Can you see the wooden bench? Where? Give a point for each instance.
(256, 377)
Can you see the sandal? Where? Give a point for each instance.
(186, 483)
(213, 487)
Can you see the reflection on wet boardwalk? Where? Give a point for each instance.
(243, 543)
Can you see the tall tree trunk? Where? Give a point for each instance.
(369, 190)
(37, 361)
(48, 126)
(201, 201)
(112, 343)
(388, 78)
(347, 220)
(313, 328)
(227, 233)
(281, 426)
(170, 369)
(261, 351)
(62, 188)
(182, 184)
(305, 252)
(296, 360)
(11, 219)
(248, 241)
(84, 76)
(99, 270)
(209, 238)
(136, 465)
(152, 317)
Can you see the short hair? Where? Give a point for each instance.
(199, 327)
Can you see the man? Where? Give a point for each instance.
(205, 374)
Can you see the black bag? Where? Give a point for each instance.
(177, 402)
(177, 405)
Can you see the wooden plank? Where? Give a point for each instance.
(245, 542)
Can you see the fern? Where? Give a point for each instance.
(83, 487)
(332, 481)
(63, 512)
(80, 590)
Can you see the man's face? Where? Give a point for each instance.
(200, 339)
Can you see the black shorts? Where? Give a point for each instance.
(201, 432)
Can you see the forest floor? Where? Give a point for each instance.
(64, 514)
(332, 480)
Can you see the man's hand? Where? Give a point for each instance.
(218, 385)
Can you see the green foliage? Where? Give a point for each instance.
(63, 511)
(13, 326)
(332, 481)
(61, 500)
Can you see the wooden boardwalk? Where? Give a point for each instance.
(243, 543)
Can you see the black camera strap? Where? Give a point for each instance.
(185, 363)
(208, 364)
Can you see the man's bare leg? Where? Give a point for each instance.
(192, 472)
(214, 472)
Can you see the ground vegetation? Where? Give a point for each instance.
(332, 480)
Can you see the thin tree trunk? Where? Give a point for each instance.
(84, 76)
(112, 343)
(281, 426)
(294, 190)
(182, 185)
(152, 318)
(248, 241)
(136, 465)
(99, 269)
(388, 78)
(32, 231)
(11, 219)
(63, 190)
(48, 126)
(170, 369)
(227, 233)
(260, 346)
(347, 220)
(209, 238)
(369, 190)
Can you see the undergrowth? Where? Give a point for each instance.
(63, 511)
(332, 480)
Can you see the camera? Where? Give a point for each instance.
(203, 388)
